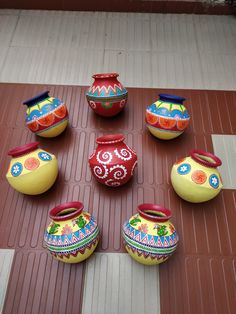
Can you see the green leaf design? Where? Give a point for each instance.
(80, 222)
(54, 228)
(134, 221)
(161, 231)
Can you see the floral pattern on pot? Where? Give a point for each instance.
(113, 162)
(31, 171)
(167, 118)
(107, 96)
(46, 116)
(149, 237)
(196, 178)
(73, 234)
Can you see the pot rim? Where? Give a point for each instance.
(40, 97)
(105, 75)
(24, 149)
(110, 139)
(53, 213)
(197, 153)
(172, 98)
(142, 208)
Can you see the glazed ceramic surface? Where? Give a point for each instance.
(107, 96)
(32, 170)
(196, 178)
(46, 116)
(149, 237)
(167, 118)
(113, 162)
(72, 234)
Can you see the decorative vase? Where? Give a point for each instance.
(149, 237)
(46, 116)
(32, 170)
(167, 118)
(196, 178)
(113, 162)
(107, 96)
(73, 234)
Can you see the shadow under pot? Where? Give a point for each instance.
(46, 116)
(196, 178)
(32, 170)
(149, 237)
(113, 162)
(72, 234)
(107, 96)
(167, 118)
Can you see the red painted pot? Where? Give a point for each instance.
(107, 96)
(113, 162)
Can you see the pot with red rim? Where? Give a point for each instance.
(107, 96)
(196, 178)
(149, 236)
(113, 162)
(72, 234)
(32, 170)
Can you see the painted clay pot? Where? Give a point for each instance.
(196, 178)
(32, 170)
(167, 118)
(46, 116)
(72, 234)
(107, 96)
(113, 162)
(149, 237)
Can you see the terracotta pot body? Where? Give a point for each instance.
(167, 118)
(32, 170)
(46, 116)
(107, 96)
(196, 178)
(149, 237)
(72, 234)
(113, 162)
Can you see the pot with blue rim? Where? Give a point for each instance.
(167, 118)
(46, 116)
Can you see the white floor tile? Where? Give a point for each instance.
(225, 149)
(116, 284)
(7, 28)
(6, 259)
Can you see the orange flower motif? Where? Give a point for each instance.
(66, 230)
(179, 161)
(143, 228)
(87, 216)
(199, 176)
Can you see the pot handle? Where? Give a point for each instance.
(154, 212)
(196, 155)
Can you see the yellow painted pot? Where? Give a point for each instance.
(167, 118)
(46, 116)
(196, 178)
(32, 170)
(72, 234)
(149, 237)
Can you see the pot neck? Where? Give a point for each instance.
(205, 159)
(24, 149)
(171, 99)
(153, 212)
(110, 139)
(66, 211)
(36, 99)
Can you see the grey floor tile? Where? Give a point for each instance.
(116, 284)
(6, 259)
(225, 148)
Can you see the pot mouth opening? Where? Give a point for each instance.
(110, 139)
(104, 75)
(34, 100)
(66, 211)
(172, 98)
(24, 149)
(154, 212)
(205, 158)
